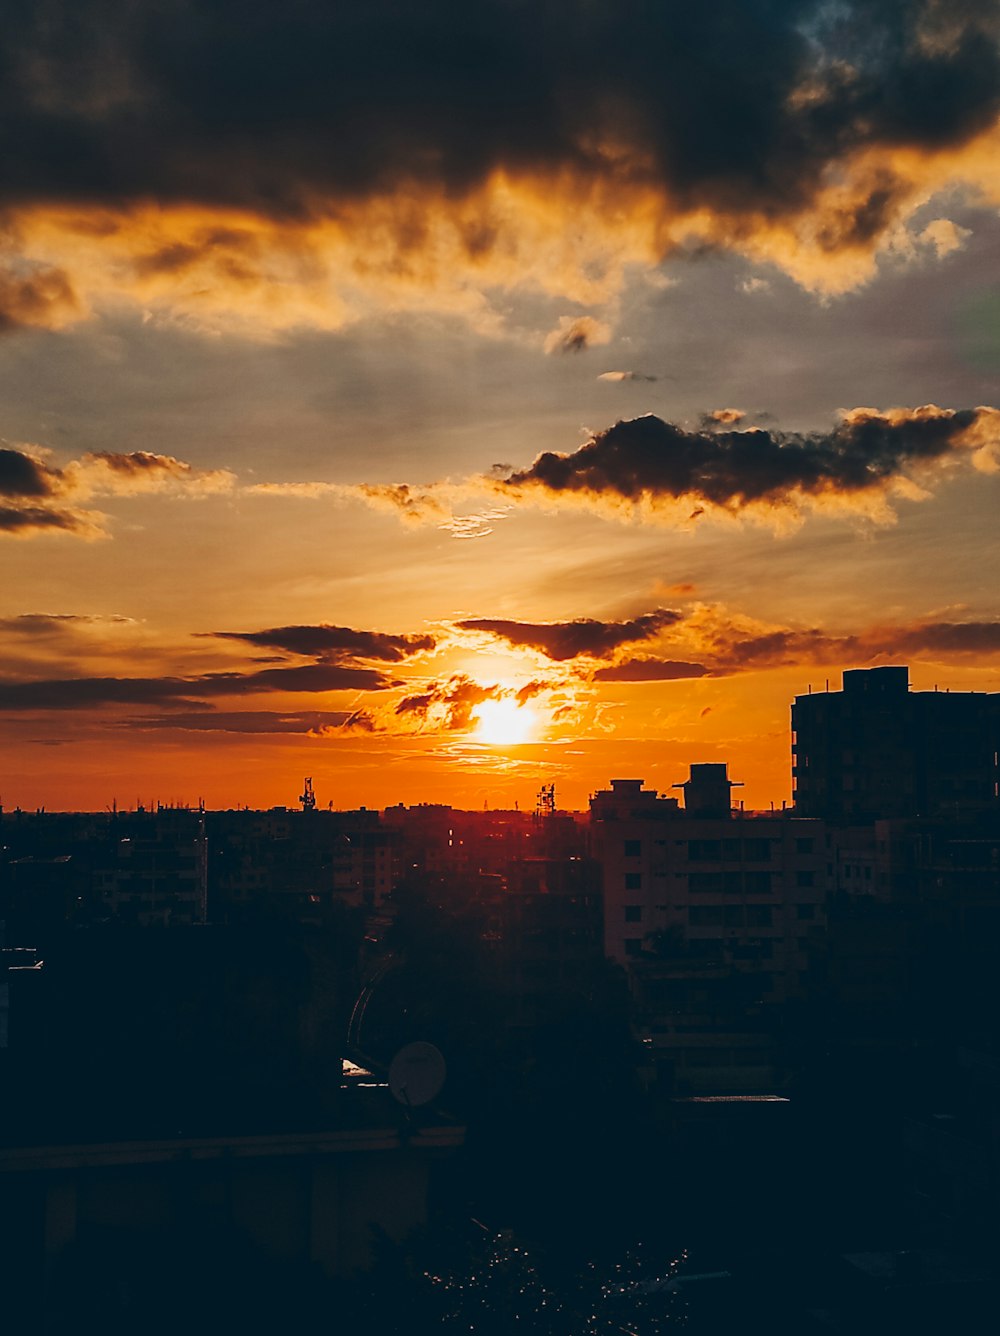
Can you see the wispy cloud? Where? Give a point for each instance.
(37, 496)
(574, 334)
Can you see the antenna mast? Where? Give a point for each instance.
(545, 804)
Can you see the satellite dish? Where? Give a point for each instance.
(416, 1074)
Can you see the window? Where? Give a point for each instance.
(706, 881)
(758, 883)
(805, 879)
(703, 850)
(633, 881)
(757, 851)
(633, 913)
(804, 846)
(633, 946)
(705, 916)
(633, 848)
(759, 916)
(733, 916)
(805, 911)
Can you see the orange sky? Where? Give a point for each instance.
(644, 379)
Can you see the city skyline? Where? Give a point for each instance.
(505, 410)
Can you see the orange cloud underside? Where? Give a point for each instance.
(420, 247)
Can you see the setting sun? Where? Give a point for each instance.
(503, 723)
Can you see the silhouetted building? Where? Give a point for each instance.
(876, 749)
(154, 867)
(711, 911)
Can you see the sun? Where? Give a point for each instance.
(503, 723)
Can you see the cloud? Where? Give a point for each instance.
(651, 470)
(43, 298)
(43, 498)
(478, 524)
(106, 473)
(574, 334)
(447, 705)
(650, 670)
(298, 163)
(49, 623)
(721, 643)
(585, 637)
(655, 469)
(335, 644)
(23, 475)
(251, 722)
(624, 375)
(944, 236)
(723, 417)
(29, 521)
(534, 688)
(83, 692)
(930, 637)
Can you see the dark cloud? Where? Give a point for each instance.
(360, 721)
(740, 106)
(335, 643)
(34, 488)
(532, 689)
(22, 475)
(650, 670)
(27, 520)
(449, 704)
(245, 721)
(734, 652)
(726, 646)
(946, 638)
(584, 637)
(81, 692)
(54, 623)
(648, 460)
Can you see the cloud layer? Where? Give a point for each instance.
(646, 464)
(286, 159)
(335, 644)
(662, 472)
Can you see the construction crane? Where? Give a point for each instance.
(307, 798)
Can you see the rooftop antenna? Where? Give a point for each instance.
(307, 798)
(545, 804)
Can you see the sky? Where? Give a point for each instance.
(444, 400)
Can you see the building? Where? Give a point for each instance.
(877, 750)
(712, 912)
(153, 867)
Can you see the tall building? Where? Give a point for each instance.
(878, 750)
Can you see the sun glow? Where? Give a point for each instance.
(503, 723)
